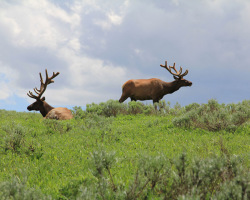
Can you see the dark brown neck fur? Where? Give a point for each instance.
(170, 87)
(45, 108)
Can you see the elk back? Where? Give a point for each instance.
(59, 114)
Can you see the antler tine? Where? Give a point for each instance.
(43, 86)
(53, 76)
(185, 73)
(47, 82)
(36, 90)
(46, 72)
(169, 69)
(178, 73)
(165, 66)
(173, 67)
(180, 70)
(31, 95)
(49, 79)
(41, 78)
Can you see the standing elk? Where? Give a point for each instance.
(41, 105)
(154, 88)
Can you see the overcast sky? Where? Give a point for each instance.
(97, 45)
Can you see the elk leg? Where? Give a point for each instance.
(132, 99)
(155, 101)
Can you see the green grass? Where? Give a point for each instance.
(56, 157)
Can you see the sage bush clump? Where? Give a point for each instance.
(214, 116)
(218, 177)
(114, 108)
(17, 189)
(14, 139)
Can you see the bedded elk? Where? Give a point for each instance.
(154, 88)
(41, 105)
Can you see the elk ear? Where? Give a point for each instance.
(176, 78)
(43, 99)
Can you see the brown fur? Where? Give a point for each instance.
(41, 105)
(50, 112)
(59, 113)
(150, 89)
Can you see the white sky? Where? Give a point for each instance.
(97, 45)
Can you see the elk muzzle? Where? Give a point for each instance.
(37, 105)
(29, 108)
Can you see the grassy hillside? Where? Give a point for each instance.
(128, 151)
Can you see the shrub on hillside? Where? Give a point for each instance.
(53, 126)
(78, 113)
(214, 116)
(14, 138)
(107, 109)
(135, 107)
(14, 141)
(114, 108)
(16, 189)
(211, 116)
(158, 177)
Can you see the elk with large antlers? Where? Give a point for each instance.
(154, 88)
(41, 105)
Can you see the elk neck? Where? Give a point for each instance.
(45, 108)
(170, 87)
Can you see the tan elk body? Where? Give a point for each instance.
(41, 105)
(154, 88)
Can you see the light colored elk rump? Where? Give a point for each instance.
(59, 113)
(41, 105)
(154, 88)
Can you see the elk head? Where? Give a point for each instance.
(40, 104)
(178, 76)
